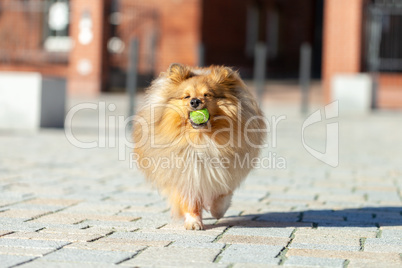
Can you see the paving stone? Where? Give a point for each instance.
(196, 244)
(384, 196)
(289, 196)
(137, 242)
(151, 222)
(23, 214)
(254, 265)
(391, 234)
(383, 245)
(280, 216)
(110, 225)
(165, 236)
(343, 197)
(141, 211)
(53, 202)
(250, 254)
(315, 262)
(100, 207)
(65, 236)
(236, 221)
(36, 227)
(321, 216)
(2, 233)
(310, 245)
(258, 231)
(346, 233)
(23, 251)
(72, 231)
(40, 263)
(79, 255)
(43, 208)
(59, 218)
(350, 255)
(255, 240)
(74, 218)
(99, 245)
(392, 227)
(364, 263)
(29, 243)
(148, 263)
(178, 228)
(166, 255)
(12, 260)
(346, 224)
(324, 240)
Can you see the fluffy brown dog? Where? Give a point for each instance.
(198, 166)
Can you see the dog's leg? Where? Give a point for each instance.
(193, 217)
(175, 205)
(220, 205)
(192, 214)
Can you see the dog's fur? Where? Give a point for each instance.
(163, 132)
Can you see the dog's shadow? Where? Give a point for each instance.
(351, 217)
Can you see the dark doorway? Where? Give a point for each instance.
(231, 29)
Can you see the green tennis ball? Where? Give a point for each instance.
(200, 116)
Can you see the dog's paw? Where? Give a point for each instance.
(217, 214)
(193, 223)
(220, 206)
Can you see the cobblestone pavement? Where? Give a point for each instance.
(65, 206)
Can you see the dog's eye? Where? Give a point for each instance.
(206, 95)
(187, 97)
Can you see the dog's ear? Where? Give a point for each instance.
(175, 68)
(178, 73)
(225, 76)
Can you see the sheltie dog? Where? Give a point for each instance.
(198, 166)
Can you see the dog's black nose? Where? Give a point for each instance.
(195, 102)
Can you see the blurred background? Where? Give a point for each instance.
(91, 47)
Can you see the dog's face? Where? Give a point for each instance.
(214, 89)
(195, 94)
(184, 89)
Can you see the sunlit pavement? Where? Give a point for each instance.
(76, 199)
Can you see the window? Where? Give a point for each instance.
(56, 26)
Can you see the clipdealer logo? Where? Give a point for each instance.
(331, 154)
(112, 133)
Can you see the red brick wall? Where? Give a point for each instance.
(342, 39)
(21, 34)
(179, 33)
(390, 91)
(45, 69)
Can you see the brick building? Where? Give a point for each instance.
(365, 36)
(88, 42)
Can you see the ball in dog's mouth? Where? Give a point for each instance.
(199, 118)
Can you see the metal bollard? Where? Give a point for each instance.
(305, 75)
(260, 55)
(131, 85)
(201, 55)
